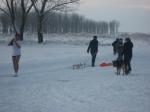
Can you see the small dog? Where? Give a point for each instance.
(78, 66)
(119, 64)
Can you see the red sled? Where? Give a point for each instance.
(105, 64)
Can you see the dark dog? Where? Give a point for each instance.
(119, 64)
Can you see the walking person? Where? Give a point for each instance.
(128, 46)
(16, 52)
(93, 48)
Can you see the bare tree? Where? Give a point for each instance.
(26, 6)
(10, 7)
(62, 23)
(44, 7)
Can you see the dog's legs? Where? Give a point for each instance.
(117, 71)
(123, 70)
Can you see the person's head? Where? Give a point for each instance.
(127, 39)
(17, 36)
(95, 37)
(117, 39)
(121, 40)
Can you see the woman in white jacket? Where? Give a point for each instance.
(16, 52)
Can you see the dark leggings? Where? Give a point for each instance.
(15, 60)
(93, 59)
(127, 66)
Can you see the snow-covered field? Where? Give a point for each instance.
(47, 83)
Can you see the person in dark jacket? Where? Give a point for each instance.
(120, 50)
(114, 44)
(93, 48)
(128, 46)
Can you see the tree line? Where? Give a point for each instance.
(72, 23)
(48, 16)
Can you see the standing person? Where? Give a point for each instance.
(119, 61)
(128, 45)
(120, 50)
(16, 52)
(114, 44)
(93, 48)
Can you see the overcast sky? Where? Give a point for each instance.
(134, 15)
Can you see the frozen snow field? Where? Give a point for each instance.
(47, 83)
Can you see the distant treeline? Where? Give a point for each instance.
(62, 23)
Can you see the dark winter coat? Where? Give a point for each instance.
(114, 43)
(120, 51)
(128, 50)
(93, 46)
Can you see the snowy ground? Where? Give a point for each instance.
(47, 83)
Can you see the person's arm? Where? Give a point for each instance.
(113, 44)
(11, 42)
(97, 46)
(17, 44)
(132, 45)
(89, 47)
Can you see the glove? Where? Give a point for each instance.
(87, 51)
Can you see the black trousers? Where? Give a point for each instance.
(93, 59)
(115, 51)
(127, 66)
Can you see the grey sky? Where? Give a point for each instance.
(134, 15)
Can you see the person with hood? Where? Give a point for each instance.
(93, 48)
(128, 46)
